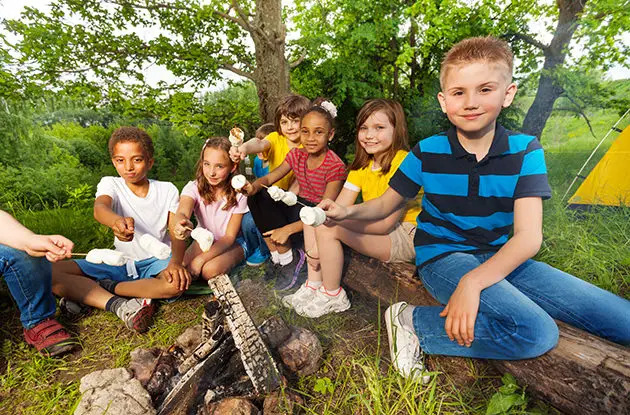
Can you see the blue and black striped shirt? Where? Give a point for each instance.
(468, 206)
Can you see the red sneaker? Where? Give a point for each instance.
(50, 338)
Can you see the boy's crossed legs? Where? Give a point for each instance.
(70, 281)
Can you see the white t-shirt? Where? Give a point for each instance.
(150, 213)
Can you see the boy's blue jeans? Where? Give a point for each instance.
(29, 280)
(516, 315)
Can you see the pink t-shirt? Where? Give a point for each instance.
(212, 216)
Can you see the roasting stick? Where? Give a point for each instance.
(267, 187)
(78, 254)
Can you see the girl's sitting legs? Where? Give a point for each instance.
(209, 264)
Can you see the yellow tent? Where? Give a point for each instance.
(609, 182)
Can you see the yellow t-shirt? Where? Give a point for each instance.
(372, 184)
(275, 155)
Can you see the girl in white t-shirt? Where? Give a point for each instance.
(217, 207)
(381, 145)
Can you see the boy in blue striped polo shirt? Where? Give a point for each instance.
(482, 181)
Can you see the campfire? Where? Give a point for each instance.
(232, 358)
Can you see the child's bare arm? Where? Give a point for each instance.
(175, 272)
(346, 197)
(461, 309)
(281, 235)
(16, 235)
(268, 180)
(378, 208)
(333, 189)
(255, 145)
(123, 227)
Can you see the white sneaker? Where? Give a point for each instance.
(322, 303)
(299, 298)
(404, 347)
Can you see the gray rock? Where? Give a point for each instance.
(113, 392)
(143, 363)
(189, 339)
(302, 352)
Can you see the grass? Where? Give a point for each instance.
(355, 377)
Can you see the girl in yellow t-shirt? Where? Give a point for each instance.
(381, 145)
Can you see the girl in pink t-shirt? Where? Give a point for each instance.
(217, 207)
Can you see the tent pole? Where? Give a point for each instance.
(593, 153)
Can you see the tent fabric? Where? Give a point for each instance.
(609, 182)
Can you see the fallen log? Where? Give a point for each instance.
(583, 374)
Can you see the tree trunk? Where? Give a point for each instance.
(583, 374)
(548, 88)
(271, 74)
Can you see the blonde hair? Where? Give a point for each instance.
(394, 112)
(486, 48)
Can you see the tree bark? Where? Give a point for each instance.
(583, 374)
(271, 74)
(548, 88)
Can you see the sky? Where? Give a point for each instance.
(11, 9)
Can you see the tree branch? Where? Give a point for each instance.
(527, 39)
(237, 71)
(297, 61)
(579, 111)
(152, 6)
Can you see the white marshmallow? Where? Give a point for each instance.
(156, 248)
(236, 136)
(275, 192)
(312, 216)
(107, 256)
(238, 181)
(204, 238)
(289, 198)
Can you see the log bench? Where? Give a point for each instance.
(583, 374)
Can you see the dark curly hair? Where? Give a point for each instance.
(132, 134)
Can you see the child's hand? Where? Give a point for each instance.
(181, 230)
(250, 189)
(123, 229)
(178, 276)
(279, 236)
(461, 312)
(237, 154)
(53, 247)
(333, 210)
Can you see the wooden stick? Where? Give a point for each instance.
(78, 254)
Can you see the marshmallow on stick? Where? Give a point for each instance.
(289, 198)
(156, 248)
(275, 192)
(107, 256)
(236, 136)
(238, 181)
(312, 216)
(204, 238)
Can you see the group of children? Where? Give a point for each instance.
(480, 183)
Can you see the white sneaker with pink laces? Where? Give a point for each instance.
(324, 303)
(299, 298)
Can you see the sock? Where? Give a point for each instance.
(114, 303)
(286, 257)
(275, 257)
(406, 318)
(332, 293)
(313, 284)
(108, 285)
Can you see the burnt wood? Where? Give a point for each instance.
(583, 374)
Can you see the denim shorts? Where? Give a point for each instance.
(241, 241)
(133, 270)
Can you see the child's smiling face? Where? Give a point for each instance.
(131, 162)
(290, 128)
(474, 93)
(315, 133)
(217, 165)
(376, 134)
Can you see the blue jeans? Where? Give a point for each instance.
(29, 280)
(516, 315)
(253, 237)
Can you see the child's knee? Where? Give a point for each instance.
(210, 271)
(539, 336)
